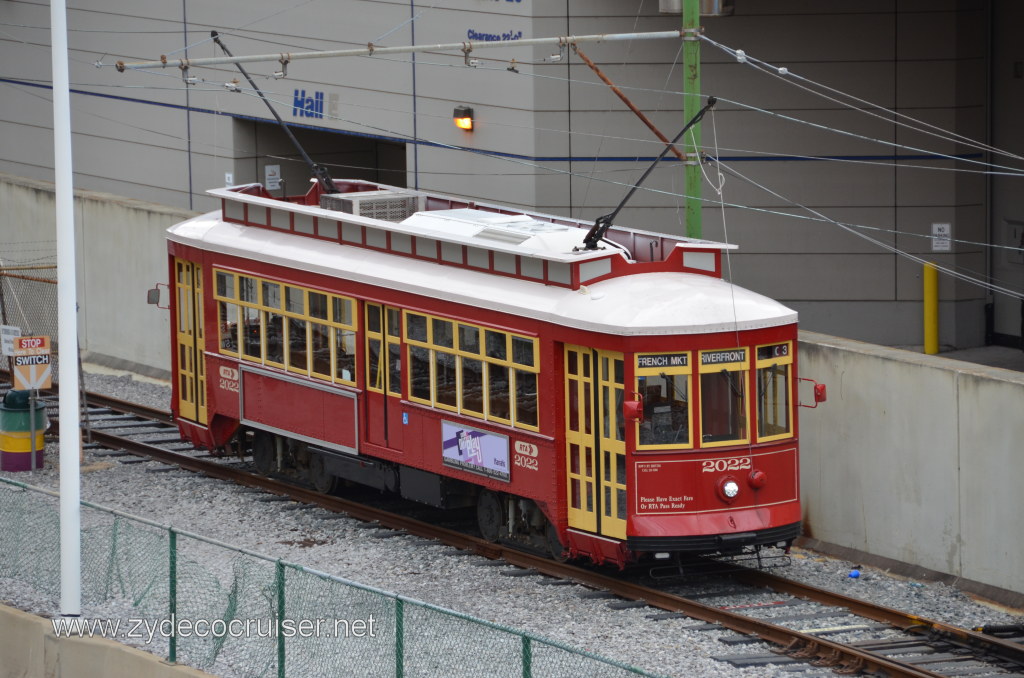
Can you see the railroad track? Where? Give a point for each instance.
(145, 432)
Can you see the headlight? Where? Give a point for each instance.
(730, 489)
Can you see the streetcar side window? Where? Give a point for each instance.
(723, 397)
(498, 406)
(526, 397)
(273, 324)
(227, 322)
(419, 374)
(374, 341)
(252, 338)
(774, 383)
(298, 350)
(477, 372)
(295, 328)
(344, 355)
(320, 347)
(663, 382)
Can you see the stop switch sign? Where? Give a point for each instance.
(32, 369)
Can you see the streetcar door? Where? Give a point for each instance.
(189, 341)
(384, 410)
(612, 444)
(595, 454)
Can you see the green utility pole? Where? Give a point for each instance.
(691, 105)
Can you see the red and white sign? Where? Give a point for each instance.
(32, 368)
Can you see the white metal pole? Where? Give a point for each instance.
(67, 322)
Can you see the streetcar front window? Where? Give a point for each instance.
(723, 396)
(666, 409)
(774, 405)
(663, 383)
(723, 403)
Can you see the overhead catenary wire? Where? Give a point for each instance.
(553, 170)
(466, 46)
(1006, 171)
(753, 62)
(890, 248)
(821, 217)
(271, 15)
(532, 167)
(204, 85)
(795, 79)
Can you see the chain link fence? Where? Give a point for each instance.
(28, 300)
(234, 612)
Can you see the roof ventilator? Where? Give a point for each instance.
(383, 205)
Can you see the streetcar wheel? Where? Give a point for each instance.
(488, 515)
(555, 548)
(319, 477)
(264, 455)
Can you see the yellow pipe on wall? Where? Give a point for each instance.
(931, 309)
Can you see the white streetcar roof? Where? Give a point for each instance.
(489, 228)
(657, 303)
(527, 234)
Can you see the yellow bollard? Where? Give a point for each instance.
(931, 309)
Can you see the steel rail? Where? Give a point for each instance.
(126, 407)
(911, 623)
(798, 644)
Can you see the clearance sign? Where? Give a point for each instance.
(32, 369)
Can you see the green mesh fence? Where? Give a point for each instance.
(228, 610)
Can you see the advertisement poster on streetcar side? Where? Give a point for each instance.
(473, 450)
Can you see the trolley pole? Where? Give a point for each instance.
(691, 105)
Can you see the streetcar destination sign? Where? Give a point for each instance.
(662, 360)
(737, 355)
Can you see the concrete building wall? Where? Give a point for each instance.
(915, 458)
(121, 253)
(549, 135)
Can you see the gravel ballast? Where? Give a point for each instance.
(432, 573)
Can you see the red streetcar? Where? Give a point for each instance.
(612, 401)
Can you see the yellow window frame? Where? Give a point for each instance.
(233, 300)
(786, 359)
(262, 308)
(670, 370)
(742, 366)
(458, 352)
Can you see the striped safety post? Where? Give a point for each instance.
(17, 424)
